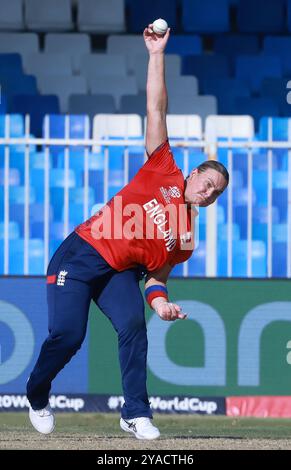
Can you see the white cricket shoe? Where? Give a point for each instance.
(42, 420)
(142, 428)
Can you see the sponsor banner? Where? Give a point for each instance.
(236, 341)
(23, 328)
(259, 407)
(113, 403)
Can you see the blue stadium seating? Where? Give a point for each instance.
(143, 12)
(280, 200)
(257, 107)
(10, 64)
(37, 106)
(253, 69)
(197, 262)
(276, 88)
(18, 85)
(239, 258)
(279, 259)
(279, 129)
(16, 256)
(280, 47)
(261, 16)
(209, 16)
(13, 177)
(13, 230)
(236, 44)
(205, 66)
(184, 45)
(226, 91)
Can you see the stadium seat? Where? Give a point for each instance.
(37, 107)
(241, 127)
(21, 43)
(201, 105)
(205, 66)
(118, 127)
(92, 104)
(143, 12)
(73, 45)
(57, 230)
(280, 232)
(197, 262)
(279, 46)
(48, 64)
(10, 64)
(253, 69)
(259, 219)
(108, 16)
(280, 200)
(277, 88)
(275, 129)
(279, 259)
(257, 107)
(211, 16)
(3, 105)
(239, 258)
(128, 45)
(14, 125)
(53, 16)
(13, 230)
(62, 87)
(133, 104)
(11, 15)
(115, 86)
(261, 16)
(17, 195)
(96, 181)
(13, 177)
(184, 45)
(18, 85)
(236, 44)
(16, 256)
(103, 65)
(222, 232)
(289, 15)
(140, 65)
(225, 90)
(182, 85)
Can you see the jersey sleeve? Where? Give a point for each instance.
(162, 160)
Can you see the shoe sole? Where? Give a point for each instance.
(136, 434)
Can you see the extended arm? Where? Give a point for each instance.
(157, 99)
(166, 310)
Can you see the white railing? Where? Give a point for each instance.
(88, 144)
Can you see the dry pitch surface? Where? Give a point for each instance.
(101, 432)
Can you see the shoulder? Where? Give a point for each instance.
(162, 160)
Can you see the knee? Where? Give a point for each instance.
(68, 341)
(134, 324)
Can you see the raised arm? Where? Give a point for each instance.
(157, 99)
(165, 309)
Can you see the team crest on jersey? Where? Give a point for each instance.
(185, 238)
(61, 278)
(170, 192)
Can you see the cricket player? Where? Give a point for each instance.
(146, 226)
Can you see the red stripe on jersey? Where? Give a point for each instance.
(51, 279)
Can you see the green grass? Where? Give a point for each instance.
(179, 426)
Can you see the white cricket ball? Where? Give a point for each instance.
(160, 26)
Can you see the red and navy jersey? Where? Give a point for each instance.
(146, 223)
